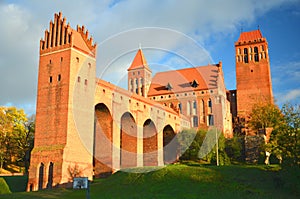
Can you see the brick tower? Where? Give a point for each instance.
(139, 75)
(65, 109)
(253, 76)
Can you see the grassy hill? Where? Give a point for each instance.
(187, 181)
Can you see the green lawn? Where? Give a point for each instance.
(187, 181)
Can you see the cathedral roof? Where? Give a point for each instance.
(139, 61)
(250, 36)
(184, 80)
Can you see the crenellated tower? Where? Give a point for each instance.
(253, 77)
(139, 75)
(65, 111)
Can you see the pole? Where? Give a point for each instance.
(217, 147)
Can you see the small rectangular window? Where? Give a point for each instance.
(50, 79)
(85, 82)
(78, 79)
(59, 78)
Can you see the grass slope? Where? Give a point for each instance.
(183, 181)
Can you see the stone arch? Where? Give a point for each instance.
(102, 161)
(30, 187)
(128, 141)
(50, 176)
(170, 145)
(150, 152)
(41, 176)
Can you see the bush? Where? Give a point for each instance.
(4, 189)
(234, 148)
(200, 145)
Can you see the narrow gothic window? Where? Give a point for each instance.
(195, 121)
(245, 55)
(194, 107)
(180, 107)
(209, 103)
(256, 59)
(188, 108)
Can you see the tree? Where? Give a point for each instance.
(16, 136)
(201, 145)
(263, 116)
(234, 148)
(285, 139)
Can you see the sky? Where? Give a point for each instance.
(173, 34)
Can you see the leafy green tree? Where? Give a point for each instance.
(263, 116)
(16, 136)
(285, 139)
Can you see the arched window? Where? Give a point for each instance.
(41, 176)
(202, 111)
(195, 121)
(180, 107)
(188, 108)
(246, 55)
(194, 108)
(50, 176)
(256, 59)
(136, 86)
(209, 104)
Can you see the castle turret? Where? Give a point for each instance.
(139, 75)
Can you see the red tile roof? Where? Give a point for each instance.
(139, 61)
(250, 36)
(180, 80)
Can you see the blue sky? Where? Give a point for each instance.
(173, 34)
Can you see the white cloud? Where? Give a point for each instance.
(292, 96)
(23, 24)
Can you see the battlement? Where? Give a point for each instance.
(61, 35)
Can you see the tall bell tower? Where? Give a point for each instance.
(253, 76)
(63, 142)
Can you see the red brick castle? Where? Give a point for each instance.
(88, 127)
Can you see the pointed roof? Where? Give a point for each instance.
(250, 36)
(139, 61)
